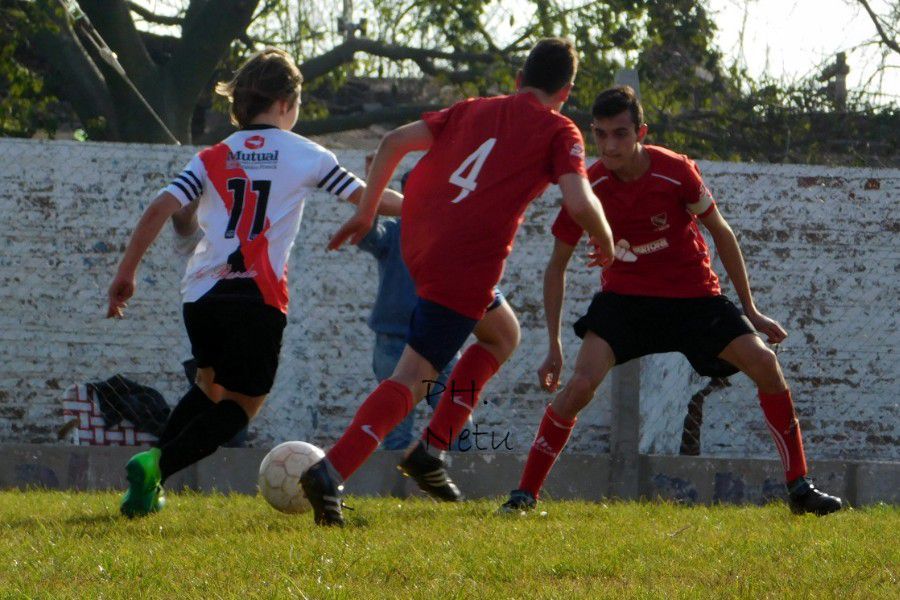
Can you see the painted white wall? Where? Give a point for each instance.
(821, 246)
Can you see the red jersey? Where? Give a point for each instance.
(659, 249)
(465, 199)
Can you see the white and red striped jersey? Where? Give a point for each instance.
(252, 187)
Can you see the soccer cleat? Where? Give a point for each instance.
(803, 497)
(429, 474)
(144, 494)
(519, 502)
(323, 494)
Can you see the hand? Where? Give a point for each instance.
(599, 258)
(549, 371)
(772, 329)
(120, 290)
(355, 229)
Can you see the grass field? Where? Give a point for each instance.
(74, 545)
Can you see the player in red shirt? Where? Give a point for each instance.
(659, 295)
(486, 160)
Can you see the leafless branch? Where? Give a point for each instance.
(888, 41)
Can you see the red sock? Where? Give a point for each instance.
(549, 442)
(381, 412)
(782, 421)
(460, 398)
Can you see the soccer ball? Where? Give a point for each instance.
(280, 472)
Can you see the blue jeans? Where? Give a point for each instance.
(388, 349)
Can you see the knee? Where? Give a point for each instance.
(577, 394)
(250, 404)
(763, 368)
(503, 345)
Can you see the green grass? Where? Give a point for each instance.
(74, 545)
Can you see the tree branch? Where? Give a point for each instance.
(344, 53)
(205, 38)
(113, 21)
(889, 42)
(152, 17)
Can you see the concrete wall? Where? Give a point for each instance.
(821, 246)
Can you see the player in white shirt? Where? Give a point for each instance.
(248, 192)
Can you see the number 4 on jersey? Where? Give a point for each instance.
(473, 163)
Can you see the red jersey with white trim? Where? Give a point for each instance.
(659, 248)
(251, 189)
(465, 199)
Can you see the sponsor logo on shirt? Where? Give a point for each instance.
(625, 252)
(654, 246)
(254, 142)
(660, 222)
(252, 160)
(577, 150)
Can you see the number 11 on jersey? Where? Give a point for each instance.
(475, 161)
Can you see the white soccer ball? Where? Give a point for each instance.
(280, 472)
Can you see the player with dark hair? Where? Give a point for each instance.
(660, 295)
(486, 160)
(248, 192)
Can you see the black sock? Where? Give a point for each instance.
(192, 404)
(202, 436)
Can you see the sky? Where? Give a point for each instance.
(789, 39)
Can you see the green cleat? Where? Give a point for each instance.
(145, 494)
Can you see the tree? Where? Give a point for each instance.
(62, 47)
(449, 43)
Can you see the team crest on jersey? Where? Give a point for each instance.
(577, 150)
(660, 222)
(254, 142)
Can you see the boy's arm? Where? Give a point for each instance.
(390, 205)
(585, 209)
(554, 294)
(393, 147)
(733, 261)
(184, 220)
(148, 227)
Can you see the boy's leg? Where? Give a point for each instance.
(380, 413)
(205, 433)
(201, 397)
(498, 336)
(147, 471)
(749, 354)
(595, 359)
(434, 398)
(385, 356)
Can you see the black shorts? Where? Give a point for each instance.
(699, 328)
(239, 340)
(437, 332)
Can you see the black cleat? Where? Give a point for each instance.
(323, 494)
(519, 502)
(803, 497)
(429, 474)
